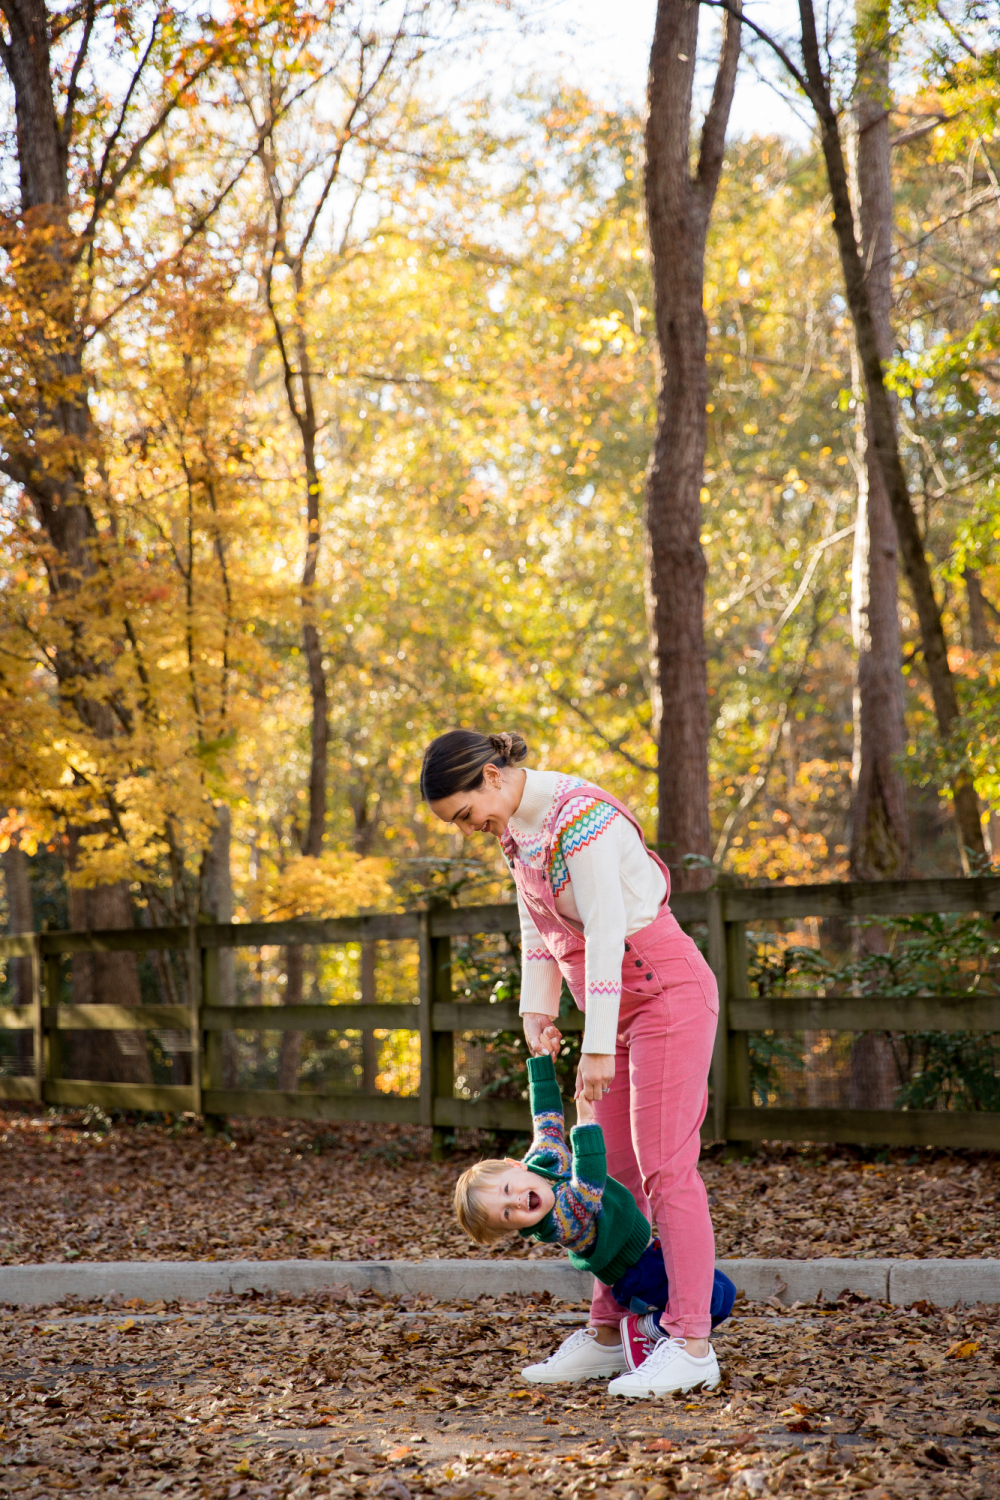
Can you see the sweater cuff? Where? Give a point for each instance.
(541, 986)
(587, 1140)
(600, 1031)
(543, 1087)
(541, 1069)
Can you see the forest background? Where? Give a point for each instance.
(326, 403)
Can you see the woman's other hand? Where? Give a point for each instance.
(595, 1075)
(541, 1034)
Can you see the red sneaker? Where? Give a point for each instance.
(636, 1345)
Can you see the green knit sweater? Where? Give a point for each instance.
(594, 1215)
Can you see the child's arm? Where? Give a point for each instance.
(578, 1201)
(548, 1146)
(584, 1110)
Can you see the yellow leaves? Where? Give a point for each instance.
(964, 1349)
(333, 885)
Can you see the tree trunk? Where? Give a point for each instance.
(884, 442)
(20, 918)
(880, 843)
(981, 637)
(875, 1076)
(678, 206)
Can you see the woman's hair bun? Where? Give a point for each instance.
(510, 747)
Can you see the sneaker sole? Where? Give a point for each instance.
(611, 1374)
(675, 1390)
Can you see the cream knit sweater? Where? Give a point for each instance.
(602, 877)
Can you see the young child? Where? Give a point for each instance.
(573, 1202)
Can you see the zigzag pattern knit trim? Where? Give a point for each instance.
(604, 987)
(581, 820)
(532, 850)
(538, 955)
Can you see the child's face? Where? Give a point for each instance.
(518, 1198)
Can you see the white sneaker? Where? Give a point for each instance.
(668, 1368)
(580, 1357)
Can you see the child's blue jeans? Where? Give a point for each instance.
(644, 1287)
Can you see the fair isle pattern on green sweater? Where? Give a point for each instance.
(574, 1213)
(594, 1215)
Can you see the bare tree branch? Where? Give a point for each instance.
(615, 745)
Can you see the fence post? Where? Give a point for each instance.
(210, 1076)
(738, 1045)
(196, 960)
(437, 1048)
(37, 1019)
(717, 958)
(53, 1042)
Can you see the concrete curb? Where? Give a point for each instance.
(944, 1282)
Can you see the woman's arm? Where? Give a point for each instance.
(541, 983)
(588, 857)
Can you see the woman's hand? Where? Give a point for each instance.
(541, 1034)
(595, 1075)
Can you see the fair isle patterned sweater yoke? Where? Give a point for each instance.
(601, 877)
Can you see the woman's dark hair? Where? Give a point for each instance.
(454, 762)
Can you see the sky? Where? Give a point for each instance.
(604, 44)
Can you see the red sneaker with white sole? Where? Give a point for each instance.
(637, 1345)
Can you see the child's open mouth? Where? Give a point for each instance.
(534, 1200)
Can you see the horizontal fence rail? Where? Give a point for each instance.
(437, 1016)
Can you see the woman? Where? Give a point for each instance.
(593, 907)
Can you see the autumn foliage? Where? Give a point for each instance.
(325, 409)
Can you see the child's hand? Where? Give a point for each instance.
(584, 1110)
(551, 1040)
(540, 1034)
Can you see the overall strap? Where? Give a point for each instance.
(587, 789)
(600, 795)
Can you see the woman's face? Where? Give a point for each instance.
(489, 808)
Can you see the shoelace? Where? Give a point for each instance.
(663, 1351)
(646, 1346)
(574, 1341)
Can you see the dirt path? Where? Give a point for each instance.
(287, 1399)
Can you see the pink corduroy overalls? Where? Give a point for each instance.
(652, 1115)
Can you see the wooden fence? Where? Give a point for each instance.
(438, 1016)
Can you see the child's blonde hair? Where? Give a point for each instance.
(470, 1209)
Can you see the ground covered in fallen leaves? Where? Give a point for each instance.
(282, 1189)
(340, 1397)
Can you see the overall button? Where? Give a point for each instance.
(628, 947)
(649, 976)
(638, 963)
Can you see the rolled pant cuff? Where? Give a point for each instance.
(697, 1328)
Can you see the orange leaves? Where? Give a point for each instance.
(964, 1349)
